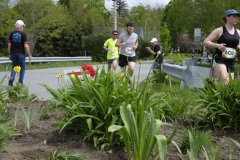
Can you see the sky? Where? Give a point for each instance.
(131, 3)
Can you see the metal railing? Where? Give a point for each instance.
(190, 76)
(5, 60)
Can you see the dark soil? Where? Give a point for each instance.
(42, 139)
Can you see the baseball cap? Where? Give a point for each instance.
(19, 23)
(231, 12)
(154, 40)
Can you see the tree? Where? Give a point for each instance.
(43, 28)
(7, 21)
(165, 38)
(122, 8)
(182, 16)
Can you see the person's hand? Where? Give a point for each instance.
(238, 47)
(134, 47)
(124, 44)
(30, 58)
(148, 48)
(221, 47)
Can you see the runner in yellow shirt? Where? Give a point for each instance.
(113, 51)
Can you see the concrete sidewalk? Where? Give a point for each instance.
(35, 78)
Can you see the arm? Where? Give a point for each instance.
(9, 49)
(136, 45)
(119, 43)
(105, 46)
(9, 46)
(150, 51)
(26, 46)
(208, 42)
(238, 46)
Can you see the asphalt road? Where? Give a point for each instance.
(35, 78)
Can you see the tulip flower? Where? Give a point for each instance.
(88, 69)
(73, 76)
(17, 69)
(58, 75)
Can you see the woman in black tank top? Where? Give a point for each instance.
(225, 40)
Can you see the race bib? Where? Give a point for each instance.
(129, 50)
(229, 53)
(112, 52)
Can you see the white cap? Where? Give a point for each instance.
(19, 24)
(154, 40)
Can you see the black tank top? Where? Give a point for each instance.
(231, 40)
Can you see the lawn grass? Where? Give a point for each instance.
(44, 65)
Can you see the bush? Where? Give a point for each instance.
(94, 47)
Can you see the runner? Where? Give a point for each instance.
(112, 51)
(227, 42)
(128, 42)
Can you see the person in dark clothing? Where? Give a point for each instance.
(157, 52)
(17, 47)
(193, 53)
(225, 40)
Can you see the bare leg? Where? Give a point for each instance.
(114, 65)
(131, 66)
(232, 75)
(123, 69)
(109, 67)
(220, 72)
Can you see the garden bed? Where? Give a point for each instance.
(43, 139)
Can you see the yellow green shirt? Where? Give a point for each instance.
(110, 44)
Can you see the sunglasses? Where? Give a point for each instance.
(115, 34)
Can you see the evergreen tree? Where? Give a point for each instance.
(122, 8)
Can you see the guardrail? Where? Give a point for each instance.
(190, 76)
(5, 60)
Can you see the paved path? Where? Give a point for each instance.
(35, 78)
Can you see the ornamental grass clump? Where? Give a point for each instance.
(221, 104)
(91, 105)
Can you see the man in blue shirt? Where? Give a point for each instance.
(17, 47)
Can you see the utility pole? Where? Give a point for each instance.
(115, 14)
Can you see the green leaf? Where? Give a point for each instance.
(114, 128)
(162, 146)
